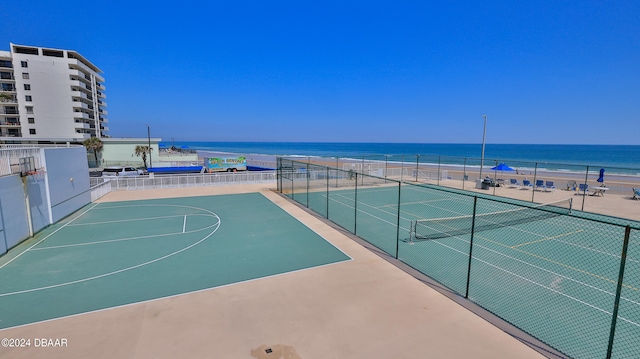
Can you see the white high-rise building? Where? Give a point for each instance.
(50, 95)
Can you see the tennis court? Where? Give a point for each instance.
(114, 254)
(553, 275)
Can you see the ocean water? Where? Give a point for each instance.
(616, 158)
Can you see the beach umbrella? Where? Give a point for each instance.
(601, 178)
(502, 167)
(184, 146)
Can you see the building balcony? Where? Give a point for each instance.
(82, 135)
(102, 103)
(82, 116)
(76, 75)
(101, 95)
(75, 64)
(4, 111)
(10, 101)
(82, 105)
(81, 95)
(103, 112)
(100, 86)
(9, 124)
(5, 87)
(10, 133)
(7, 76)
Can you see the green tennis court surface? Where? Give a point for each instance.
(554, 276)
(113, 254)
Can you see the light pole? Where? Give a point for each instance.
(173, 143)
(484, 135)
(149, 138)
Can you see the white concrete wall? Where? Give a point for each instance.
(68, 180)
(61, 191)
(13, 212)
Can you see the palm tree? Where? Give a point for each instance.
(142, 151)
(94, 144)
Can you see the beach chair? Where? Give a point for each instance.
(572, 185)
(549, 186)
(526, 184)
(513, 183)
(636, 193)
(583, 189)
(539, 186)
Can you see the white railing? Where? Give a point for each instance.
(186, 180)
(100, 190)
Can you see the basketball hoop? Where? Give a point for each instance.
(38, 175)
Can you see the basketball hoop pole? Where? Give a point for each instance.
(25, 183)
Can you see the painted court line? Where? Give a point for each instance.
(124, 239)
(117, 271)
(547, 238)
(180, 294)
(124, 220)
(49, 235)
(539, 284)
(184, 224)
(275, 202)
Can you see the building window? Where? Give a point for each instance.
(24, 64)
(32, 131)
(27, 98)
(25, 75)
(29, 109)
(27, 87)
(31, 120)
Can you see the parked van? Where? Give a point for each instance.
(117, 171)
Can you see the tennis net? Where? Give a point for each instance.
(436, 228)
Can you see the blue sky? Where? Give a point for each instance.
(558, 72)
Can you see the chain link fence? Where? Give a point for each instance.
(567, 277)
(464, 173)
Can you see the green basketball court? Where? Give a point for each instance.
(113, 254)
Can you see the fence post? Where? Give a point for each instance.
(623, 260)
(337, 165)
(308, 175)
(535, 175)
(439, 160)
(495, 177)
(465, 177)
(398, 223)
(279, 173)
(584, 193)
(473, 225)
(327, 192)
(386, 160)
(355, 206)
(417, 163)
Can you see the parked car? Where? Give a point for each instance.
(118, 171)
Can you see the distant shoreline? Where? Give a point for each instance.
(623, 159)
